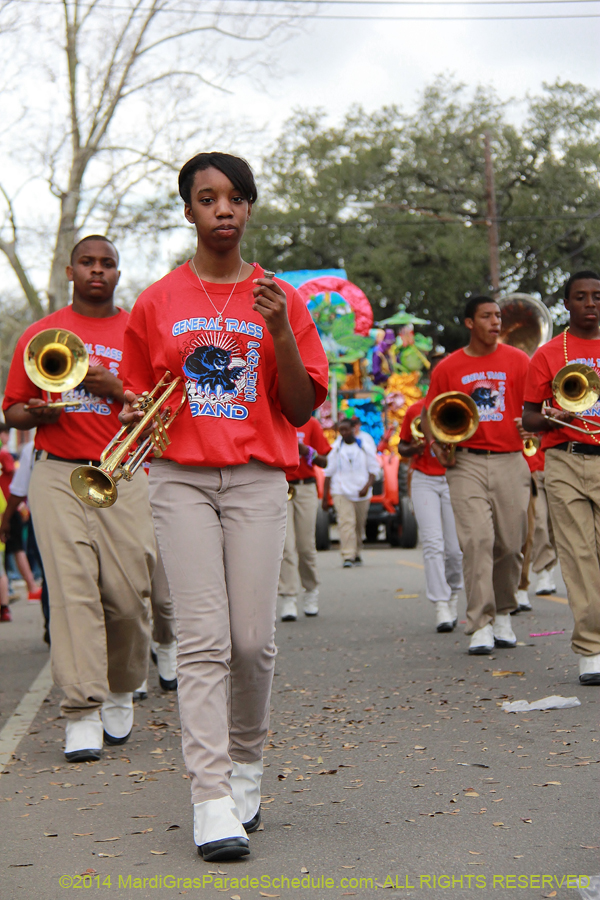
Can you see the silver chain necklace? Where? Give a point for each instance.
(219, 314)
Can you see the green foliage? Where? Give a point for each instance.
(399, 200)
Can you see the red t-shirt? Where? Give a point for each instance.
(83, 432)
(7, 470)
(496, 383)
(229, 369)
(425, 461)
(312, 435)
(545, 364)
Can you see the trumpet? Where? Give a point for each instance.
(97, 485)
(575, 388)
(453, 418)
(416, 431)
(531, 446)
(56, 360)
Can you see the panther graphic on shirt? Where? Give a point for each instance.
(487, 390)
(221, 373)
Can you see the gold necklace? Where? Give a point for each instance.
(584, 423)
(219, 314)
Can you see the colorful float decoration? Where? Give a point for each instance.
(375, 371)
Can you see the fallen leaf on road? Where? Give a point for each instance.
(158, 852)
(475, 852)
(50, 834)
(500, 673)
(106, 840)
(82, 834)
(173, 827)
(110, 855)
(304, 870)
(145, 816)
(20, 865)
(527, 821)
(592, 847)
(498, 824)
(551, 894)
(471, 794)
(262, 894)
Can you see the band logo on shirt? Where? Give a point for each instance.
(91, 403)
(488, 391)
(221, 377)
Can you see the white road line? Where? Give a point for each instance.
(18, 725)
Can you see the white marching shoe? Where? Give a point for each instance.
(245, 786)
(504, 636)
(289, 610)
(589, 669)
(523, 602)
(84, 738)
(545, 582)
(311, 602)
(218, 831)
(482, 641)
(117, 717)
(453, 606)
(166, 663)
(443, 617)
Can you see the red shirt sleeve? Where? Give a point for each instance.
(317, 439)
(538, 385)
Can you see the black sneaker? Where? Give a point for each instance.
(357, 561)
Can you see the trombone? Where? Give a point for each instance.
(453, 418)
(97, 485)
(56, 360)
(575, 388)
(416, 431)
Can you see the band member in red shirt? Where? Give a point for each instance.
(98, 562)
(488, 477)
(253, 369)
(572, 472)
(430, 496)
(299, 564)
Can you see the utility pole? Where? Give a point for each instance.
(492, 221)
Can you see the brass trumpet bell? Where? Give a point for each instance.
(94, 487)
(453, 417)
(56, 360)
(531, 446)
(576, 387)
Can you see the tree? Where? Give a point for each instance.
(399, 200)
(118, 96)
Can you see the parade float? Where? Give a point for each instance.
(376, 373)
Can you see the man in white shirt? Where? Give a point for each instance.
(350, 473)
(363, 437)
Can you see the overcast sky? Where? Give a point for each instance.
(336, 64)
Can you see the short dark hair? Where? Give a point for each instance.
(473, 303)
(233, 167)
(92, 237)
(579, 276)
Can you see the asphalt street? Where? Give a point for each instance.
(390, 767)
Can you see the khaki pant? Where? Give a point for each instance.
(543, 553)
(489, 497)
(221, 535)
(527, 548)
(299, 564)
(98, 564)
(573, 486)
(351, 520)
(163, 616)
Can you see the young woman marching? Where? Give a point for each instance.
(253, 370)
